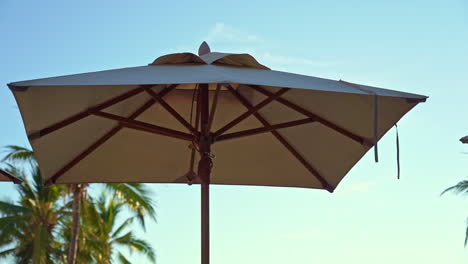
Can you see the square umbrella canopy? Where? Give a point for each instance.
(216, 118)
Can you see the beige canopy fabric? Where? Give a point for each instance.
(113, 126)
(216, 58)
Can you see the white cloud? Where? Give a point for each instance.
(233, 40)
(274, 59)
(361, 187)
(224, 32)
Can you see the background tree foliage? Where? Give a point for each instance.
(37, 228)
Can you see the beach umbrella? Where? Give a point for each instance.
(211, 118)
(464, 140)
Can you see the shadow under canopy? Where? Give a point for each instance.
(216, 118)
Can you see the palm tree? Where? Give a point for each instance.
(136, 196)
(78, 190)
(21, 155)
(109, 233)
(17, 154)
(28, 227)
(460, 188)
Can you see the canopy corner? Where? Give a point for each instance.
(16, 88)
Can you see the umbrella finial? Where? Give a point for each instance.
(203, 49)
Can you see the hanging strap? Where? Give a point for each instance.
(376, 127)
(397, 152)
(376, 114)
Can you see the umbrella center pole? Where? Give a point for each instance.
(204, 171)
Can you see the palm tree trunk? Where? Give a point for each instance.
(77, 192)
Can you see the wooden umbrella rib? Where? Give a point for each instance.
(204, 102)
(159, 131)
(197, 121)
(284, 142)
(82, 155)
(319, 119)
(252, 110)
(76, 117)
(171, 110)
(213, 107)
(11, 177)
(106, 137)
(127, 122)
(264, 129)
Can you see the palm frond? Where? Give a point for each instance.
(8, 224)
(7, 253)
(459, 188)
(31, 224)
(123, 259)
(124, 239)
(9, 208)
(138, 197)
(18, 153)
(143, 248)
(16, 171)
(122, 227)
(136, 245)
(466, 233)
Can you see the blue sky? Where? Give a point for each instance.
(414, 46)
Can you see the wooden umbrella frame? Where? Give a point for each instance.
(200, 135)
(10, 177)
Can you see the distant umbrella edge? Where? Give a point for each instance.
(464, 140)
(6, 177)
